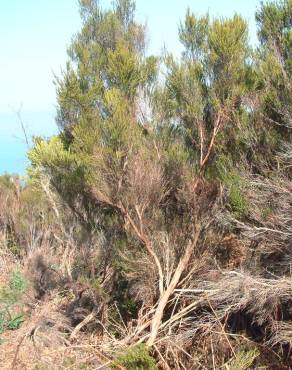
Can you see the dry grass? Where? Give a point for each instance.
(43, 341)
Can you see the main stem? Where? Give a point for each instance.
(183, 263)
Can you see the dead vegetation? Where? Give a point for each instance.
(227, 295)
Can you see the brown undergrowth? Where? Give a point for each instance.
(219, 313)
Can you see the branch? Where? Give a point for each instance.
(18, 114)
(182, 265)
(148, 245)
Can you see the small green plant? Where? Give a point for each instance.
(15, 322)
(237, 200)
(14, 248)
(11, 295)
(244, 360)
(18, 282)
(136, 358)
(131, 307)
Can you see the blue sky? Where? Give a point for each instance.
(34, 35)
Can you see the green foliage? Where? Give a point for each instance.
(106, 55)
(64, 167)
(17, 282)
(234, 182)
(15, 322)
(15, 249)
(274, 20)
(213, 77)
(51, 153)
(244, 360)
(193, 34)
(136, 358)
(98, 96)
(237, 199)
(10, 296)
(131, 307)
(275, 60)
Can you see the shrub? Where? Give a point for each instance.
(136, 358)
